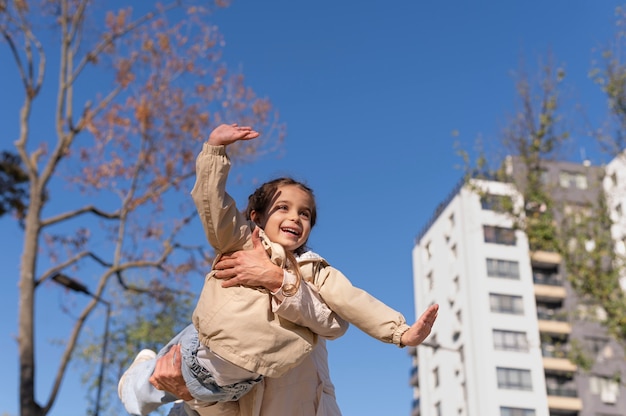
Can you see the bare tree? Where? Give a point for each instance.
(601, 268)
(134, 98)
(535, 133)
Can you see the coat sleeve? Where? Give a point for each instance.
(306, 308)
(225, 227)
(360, 308)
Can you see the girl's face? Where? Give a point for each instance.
(288, 219)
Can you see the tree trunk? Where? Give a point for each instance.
(26, 334)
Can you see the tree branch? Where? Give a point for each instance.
(67, 353)
(70, 262)
(108, 40)
(72, 214)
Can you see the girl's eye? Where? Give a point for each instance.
(282, 207)
(305, 214)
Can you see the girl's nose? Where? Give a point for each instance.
(294, 216)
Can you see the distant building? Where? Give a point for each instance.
(508, 317)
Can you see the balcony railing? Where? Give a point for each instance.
(552, 315)
(414, 378)
(415, 410)
(549, 279)
(553, 351)
(562, 391)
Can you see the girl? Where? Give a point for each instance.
(236, 337)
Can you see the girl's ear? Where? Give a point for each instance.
(255, 217)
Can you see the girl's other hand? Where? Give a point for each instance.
(421, 328)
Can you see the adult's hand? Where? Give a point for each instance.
(249, 267)
(168, 375)
(421, 328)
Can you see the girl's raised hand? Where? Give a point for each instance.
(225, 134)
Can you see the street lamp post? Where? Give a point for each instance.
(76, 286)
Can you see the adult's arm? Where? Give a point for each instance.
(168, 376)
(306, 307)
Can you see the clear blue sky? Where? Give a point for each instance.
(370, 92)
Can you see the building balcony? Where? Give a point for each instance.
(415, 409)
(555, 347)
(555, 364)
(414, 378)
(562, 391)
(545, 257)
(551, 313)
(548, 277)
(543, 291)
(558, 402)
(554, 326)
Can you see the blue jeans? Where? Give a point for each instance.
(140, 397)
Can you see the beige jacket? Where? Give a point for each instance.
(238, 323)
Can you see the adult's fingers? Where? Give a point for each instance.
(256, 238)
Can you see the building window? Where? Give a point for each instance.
(510, 340)
(514, 378)
(502, 268)
(430, 281)
(516, 411)
(499, 235)
(438, 409)
(436, 377)
(573, 180)
(600, 348)
(498, 203)
(427, 251)
(607, 388)
(453, 250)
(577, 213)
(506, 304)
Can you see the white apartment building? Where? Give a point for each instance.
(506, 322)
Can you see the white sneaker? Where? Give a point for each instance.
(144, 355)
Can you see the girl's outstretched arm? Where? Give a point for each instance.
(225, 134)
(421, 328)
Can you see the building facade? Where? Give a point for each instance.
(509, 320)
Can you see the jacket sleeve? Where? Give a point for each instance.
(225, 227)
(306, 308)
(360, 308)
